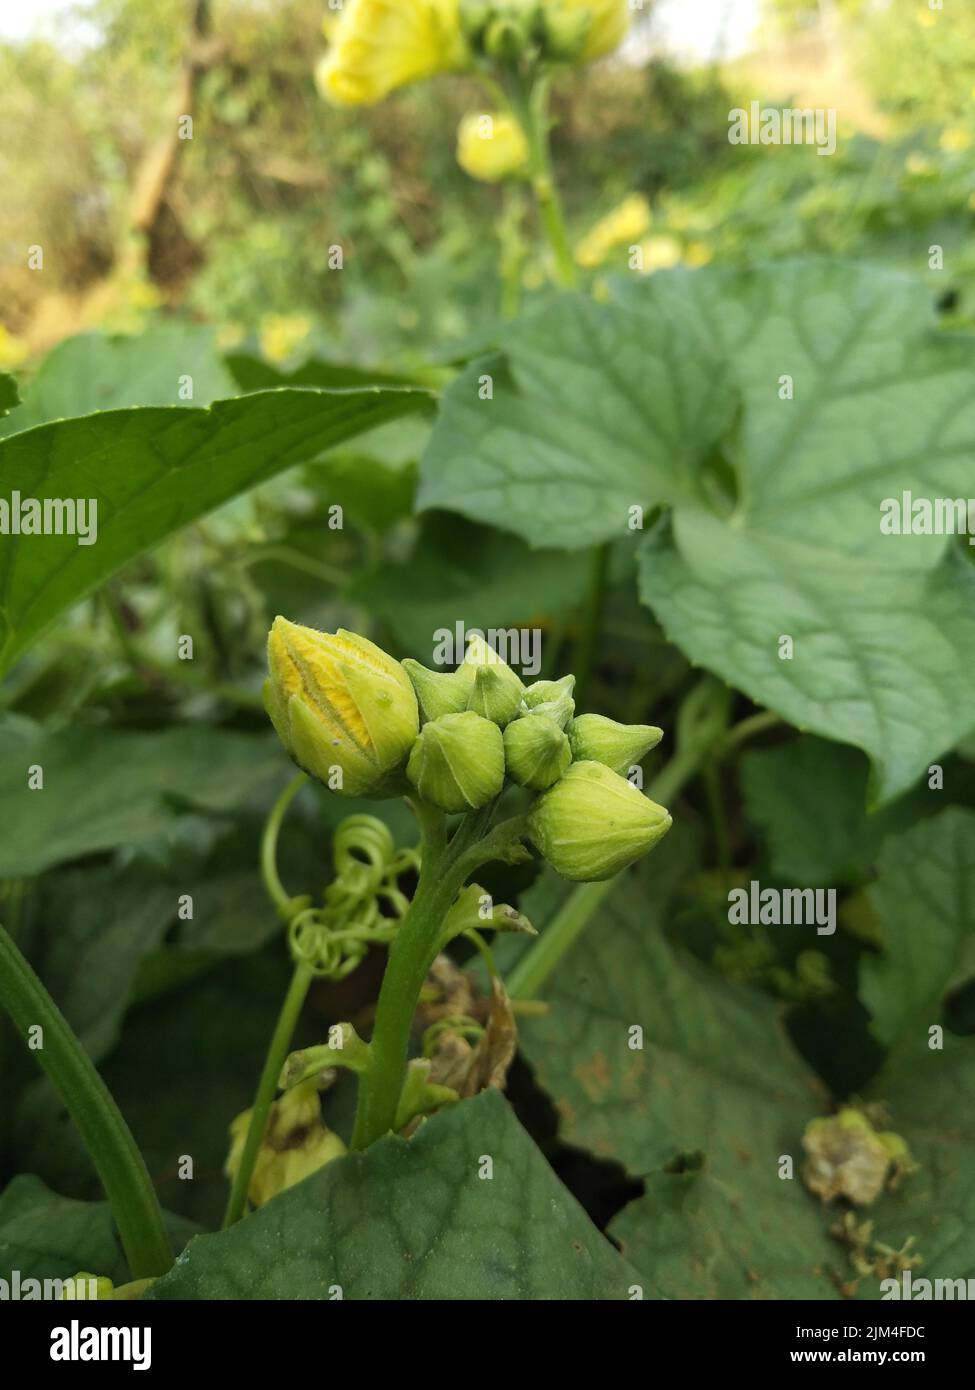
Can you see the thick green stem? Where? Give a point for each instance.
(105, 1134)
(277, 1053)
(409, 961)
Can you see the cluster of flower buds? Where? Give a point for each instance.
(555, 31)
(367, 725)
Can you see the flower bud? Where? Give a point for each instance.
(338, 701)
(439, 692)
(506, 38)
(618, 746)
(563, 34)
(296, 1143)
(457, 763)
(553, 698)
(593, 823)
(607, 23)
(536, 751)
(491, 146)
(496, 692)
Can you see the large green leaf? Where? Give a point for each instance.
(459, 569)
(809, 798)
(94, 372)
(108, 787)
(716, 1076)
(152, 470)
(595, 409)
(416, 1219)
(927, 1096)
(46, 1236)
(925, 898)
(883, 626)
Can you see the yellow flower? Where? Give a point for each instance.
(282, 333)
(621, 227)
(380, 45)
(660, 253)
(697, 254)
(343, 708)
(13, 351)
(609, 23)
(295, 1144)
(491, 146)
(955, 139)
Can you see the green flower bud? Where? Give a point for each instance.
(617, 746)
(439, 692)
(506, 38)
(563, 33)
(553, 698)
(457, 763)
(536, 751)
(474, 17)
(593, 823)
(496, 692)
(338, 702)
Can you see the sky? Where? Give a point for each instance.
(688, 28)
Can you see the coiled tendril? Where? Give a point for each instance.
(332, 940)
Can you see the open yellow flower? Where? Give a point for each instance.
(621, 227)
(379, 45)
(491, 146)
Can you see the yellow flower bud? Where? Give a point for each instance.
(624, 226)
(597, 739)
(593, 823)
(343, 708)
(380, 45)
(296, 1143)
(491, 146)
(457, 763)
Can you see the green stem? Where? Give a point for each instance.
(586, 647)
(282, 900)
(530, 108)
(406, 970)
(267, 1086)
(105, 1134)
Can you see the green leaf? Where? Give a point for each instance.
(151, 471)
(595, 409)
(107, 787)
(926, 1094)
(880, 656)
(925, 898)
(715, 1076)
(415, 1219)
(809, 799)
(9, 396)
(94, 372)
(457, 568)
(256, 374)
(883, 626)
(46, 1236)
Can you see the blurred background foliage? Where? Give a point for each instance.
(234, 226)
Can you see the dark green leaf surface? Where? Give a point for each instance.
(46, 1236)
(925, 898)
(152, 471)
(716, 1076)
(106, 787)
(412, 1219)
